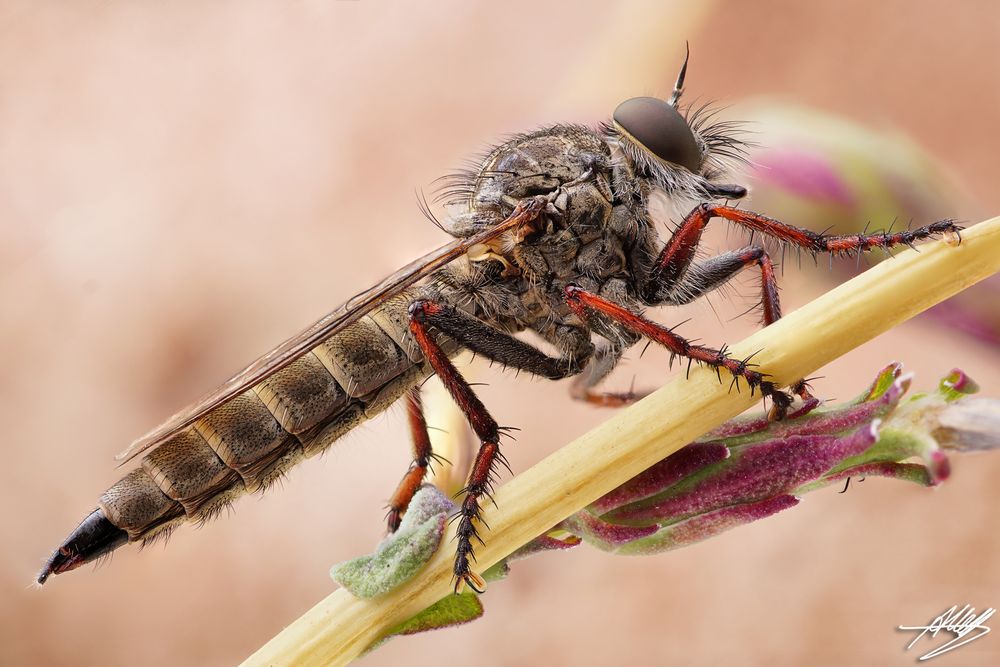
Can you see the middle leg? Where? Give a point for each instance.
(585, 303)
(705, 276)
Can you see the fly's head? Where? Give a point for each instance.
(682, 152)
(596, 184)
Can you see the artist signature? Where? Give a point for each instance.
(963, 623)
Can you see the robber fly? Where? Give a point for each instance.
(553, 235)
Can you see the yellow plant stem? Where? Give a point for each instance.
(339, 628)
(450, 435)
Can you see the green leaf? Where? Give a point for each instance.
(446, 612)
(957, 385)
(401, 554)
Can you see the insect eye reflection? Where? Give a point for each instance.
(658, 127)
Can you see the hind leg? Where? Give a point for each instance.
(428, 317)
(422, 457)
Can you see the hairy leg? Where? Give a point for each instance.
(585, 303)
(698, 279)
(705, 276)
(679, 251)
(583, 388)
(422, 457)
(500, 347)
(669, 276)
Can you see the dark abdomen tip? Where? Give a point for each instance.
(93, 538)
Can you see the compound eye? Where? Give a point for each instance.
(661, 130)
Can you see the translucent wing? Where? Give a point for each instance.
(329, 324)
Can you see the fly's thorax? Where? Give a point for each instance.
(538, 163)
(596, 228)
(526, 165)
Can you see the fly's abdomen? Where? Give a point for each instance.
(246, 443)
(302, 395)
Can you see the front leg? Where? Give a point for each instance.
(680, 250)
(497, 346)
(673, 277)
(585, 303)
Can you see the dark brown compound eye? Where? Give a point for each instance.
(661, 130)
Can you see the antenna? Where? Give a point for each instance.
(679, 86)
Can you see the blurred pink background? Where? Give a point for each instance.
(183, 185)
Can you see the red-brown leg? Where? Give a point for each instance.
(698, 280)
(583, 303)
(422, 457)
(601, 364)
(606, 399)
(481, 477)
(679, 251)
(711, 273)
(669, 272)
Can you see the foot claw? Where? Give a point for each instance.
(393, 518)
(780, 402)
(473, 581)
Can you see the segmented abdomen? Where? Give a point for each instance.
(246, 443)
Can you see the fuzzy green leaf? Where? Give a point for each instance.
(446, 612)
(401, 554)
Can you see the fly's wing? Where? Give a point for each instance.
(328, 325)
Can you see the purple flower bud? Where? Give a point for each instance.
(750, 467)
(957, 384)
(677, 466)
(910, 472)
(804, 173)
(754, 473)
